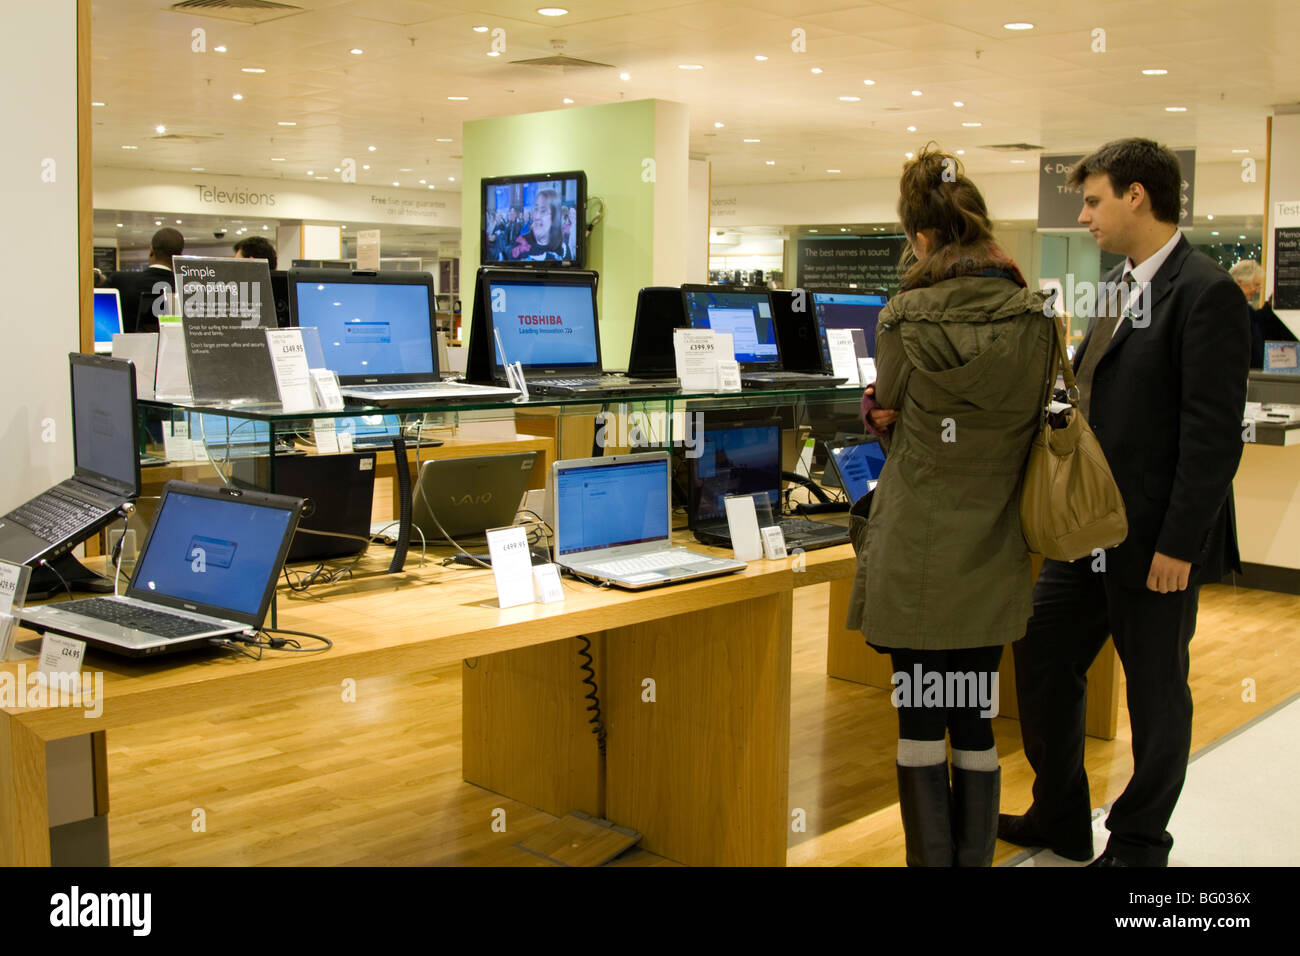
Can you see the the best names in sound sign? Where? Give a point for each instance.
(225, 304)
(864, 263)
(1059, 204)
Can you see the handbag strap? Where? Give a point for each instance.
(1058, 358)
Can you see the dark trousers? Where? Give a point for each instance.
(1075, 609)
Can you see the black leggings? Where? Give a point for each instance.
(927, 720)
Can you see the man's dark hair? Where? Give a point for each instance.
(166, 242)
(256, 247)
(1129, 161)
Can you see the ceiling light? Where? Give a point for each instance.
(178, 222)
(816, 69)
(370, 148)
(322, 178)
(220, 49)
(832, 170)
(264, 228)
(251, 69)
(972, 125)
(356, 51)
(752, 141)
(1241, 151)
(366, 166)
(690, 66)
(1215, 233)
(432, 186)
(119, 225)
(850, 99)
(130, 147)
(442, 140)
(1154, 72)
(719, 125)
(843, 229)
(480, 29)
(908, 155)
(961, 152)
(625, 76)
(1017, 26)
(277, 159)
(451, 179)
(396, 183)
(493, 52)
(1175, 109)
(287, 123)
(1210, 216)
(423, 182)
(198, 169)
(157, 222)
(567, 101)
(337, 170)
(552, 11)
(868, 82)
(458, 98)
(911, 129)
(916, 92)
(812, 230)
(311, 172)
(958, 103)
(96, 104)
(770, 162)
(404, 169)
(760, 58)
(1241, 237)
(1017, 161)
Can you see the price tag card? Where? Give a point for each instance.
(742, 523)
(289, 361)
(773, 543)
(697, 352)
(512, 565)
(345, 441)
(844, 360)
(546, 581)
(8, 625)
(177, 445)
(728, 375)
(866, 371)
(327, 439)
(61, 655)
(13, 586)
(326, 384)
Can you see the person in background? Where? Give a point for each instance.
(942, 581)
(544, 240)
(256, 247)
(139, 290)
(1265, 326)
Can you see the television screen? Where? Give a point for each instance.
(535, 218)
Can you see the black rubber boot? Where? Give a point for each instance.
(975, 796)
(926, 805)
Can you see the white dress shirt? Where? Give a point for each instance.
(1146, 271)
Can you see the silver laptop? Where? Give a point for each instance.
(613, 522)
(208, 569)
(466, 496)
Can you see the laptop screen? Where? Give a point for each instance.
(859, 466)
(545, 323)
(219, 552)
(370, 426)
(747, 316)
(108, 318)
(736, 460)
(607, 506)
(103, 423)
(847, 310)
(216, 430)
(370, 329)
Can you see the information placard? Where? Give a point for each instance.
(227, 305)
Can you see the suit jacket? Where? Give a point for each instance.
(137, 293)
(1166, 405)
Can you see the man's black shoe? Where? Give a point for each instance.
(1107, 859)
(1021, 832)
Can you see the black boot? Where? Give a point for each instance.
(926, 805)
(975, 796)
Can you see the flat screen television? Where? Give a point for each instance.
(535, 218)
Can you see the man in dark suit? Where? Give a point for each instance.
(139, 290)
(1162, 380)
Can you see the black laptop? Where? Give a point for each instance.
(745, 312)
(658, 313)
(106, 472)
(744, 458)
(546, 320)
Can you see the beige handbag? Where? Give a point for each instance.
(1070, 505)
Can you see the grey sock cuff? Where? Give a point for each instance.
(921, 753)
(985, 760)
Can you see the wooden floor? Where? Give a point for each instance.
(317, 781)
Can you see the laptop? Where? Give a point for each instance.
(226, 437)
(108, 319)
(744, 458)
(106, 472)
(658, 313)
(857, 464)
(467, 496)
(378, 431)
(338, 494)
(207, 569)
(613, 522)
(545, 319)
(377, 332)
(745, 313)
(854, 309)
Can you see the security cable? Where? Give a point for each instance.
(593, 695)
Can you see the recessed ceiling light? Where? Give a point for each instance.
(277, 159)
(868, 82)
(264, 228)
(770, 162)
(911, 129)
(337, 170)
(370, 148)
(130, 147)
(287, 123)
(958, 103)
(160, 128)
(366, 166)
(1210, 217)
(625, 76)
(719, 125)
(96, 104)
(832, 170)
(1154, 72)
(356, 51)
(552, 11)
(752, 141)
(251, 69)
(1241, 237)
(850, 99)
(403, 169)
(1017, 161)
(480, 29)
(198, 169)
(844, 229)
(432, 186)
(690, 66)
(157, 222)
(812, 230)
(760, 58)
(1017, 26)
(220, 49)
(238, 96)
(1175, 109)
(494, 53)
(567, 101)
(178, 222)
(451, 179)
(961, 152)
(1214, 233)
(119, 225)
(1241, 151)
(816, 69)
(442, 139)
(908, 155)
(458, 98)
(321, 178)
(916, 92)
(311, 172)
(396, 183)
(424, 182)
(972, 124)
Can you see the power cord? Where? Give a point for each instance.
(593, 695)
(45, 564)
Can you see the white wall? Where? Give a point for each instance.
(39, 324)
(1284, 192)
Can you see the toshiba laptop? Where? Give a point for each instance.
(746, 314)
(106, 472)
(545, 319)
(744, 458)
(857, 464)
(613, 523)
(467, 496)
(108, 319)
(207, 569)
(377, 332)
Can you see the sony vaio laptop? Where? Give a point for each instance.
(108, 319)
(207, 569)
(857, 464)
(467, 496)
(106, 473)
(744, 458)
(545, 319)
(377, 330)
(613, 523)
(746, 314)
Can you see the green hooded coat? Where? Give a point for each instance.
(942, 562)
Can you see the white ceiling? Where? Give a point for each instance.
(1228, 63)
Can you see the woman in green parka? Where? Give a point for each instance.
(943, 578)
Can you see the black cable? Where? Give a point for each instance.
(45, 564)
(404, 496)
(597, 724)
(295, 647)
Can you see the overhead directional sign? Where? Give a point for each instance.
(1059, 205)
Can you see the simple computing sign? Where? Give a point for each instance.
(1059, 205)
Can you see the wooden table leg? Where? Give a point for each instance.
(24, 799)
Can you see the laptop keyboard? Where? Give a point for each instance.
(139, 618)
(403, 388)
(55, 515)
(651, 562)
(805, 528)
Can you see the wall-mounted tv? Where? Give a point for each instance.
(536, 218)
